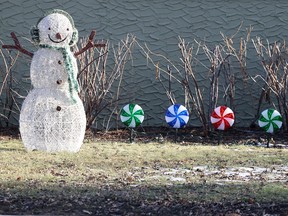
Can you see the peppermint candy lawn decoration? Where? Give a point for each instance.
(132, 115)
(222, 118)
(177, 116)
(270, 120)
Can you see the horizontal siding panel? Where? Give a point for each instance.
(158, 23)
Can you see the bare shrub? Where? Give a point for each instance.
(219, 64)
(221, 71)
(273, 58)
(195, 97)
(9, 88)
(97, 75)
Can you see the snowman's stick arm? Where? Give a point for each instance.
(90, 44)
(17, 46)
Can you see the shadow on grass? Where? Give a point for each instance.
(185, 199)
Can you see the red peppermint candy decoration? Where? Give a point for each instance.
(222, 118)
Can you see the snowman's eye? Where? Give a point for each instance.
(49, 28)
(67, 29)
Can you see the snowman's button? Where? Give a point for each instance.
(60, 62)
(58, 108)
(59, 82)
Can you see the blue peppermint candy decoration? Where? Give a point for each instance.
(177, 116)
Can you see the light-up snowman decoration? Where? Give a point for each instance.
(52, 116)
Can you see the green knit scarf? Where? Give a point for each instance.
(73, 84)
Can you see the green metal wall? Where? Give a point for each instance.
(157, 23)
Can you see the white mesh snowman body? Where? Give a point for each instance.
(52, 116)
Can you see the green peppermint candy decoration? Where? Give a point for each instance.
(132, 115)
(270, 120)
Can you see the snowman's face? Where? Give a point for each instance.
(55, 30)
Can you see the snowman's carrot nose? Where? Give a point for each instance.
(58, 36)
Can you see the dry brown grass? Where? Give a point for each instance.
(55, 183)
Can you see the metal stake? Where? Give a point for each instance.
(131, 135)
(268, 140)
(220, 135)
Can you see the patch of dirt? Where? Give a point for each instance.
(184, 136)
(192, 136)
(113, 201)
(9, 133)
